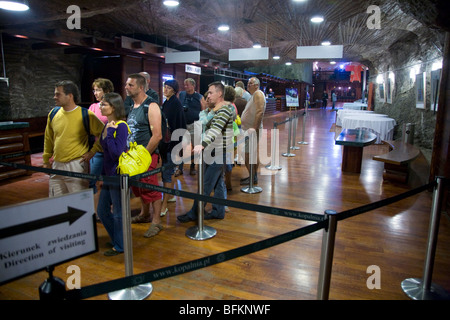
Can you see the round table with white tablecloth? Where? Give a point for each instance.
(354, 105)
(368, 115)
(341, 113)
(383, 127)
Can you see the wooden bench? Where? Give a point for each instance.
(14, 139)
(37, 125)
(397, 160)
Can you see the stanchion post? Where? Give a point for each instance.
(305, 115)
(200, 231)
(424, 289)
(141, 291)
(294, 129)
(52, 288)
(326, 258)
(275, 159)
(252, 189)
(288, 152)
(126, 225)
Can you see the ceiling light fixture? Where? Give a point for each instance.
(14, 5)
(326, 43)
(20, 36)
(223, 27)
(317, 19)
(171, 3)
(288, 63)
(276, 57)
(257, 45)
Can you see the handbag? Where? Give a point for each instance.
(135, 160)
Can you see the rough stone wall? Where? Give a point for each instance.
(32, 77)
(401, 57)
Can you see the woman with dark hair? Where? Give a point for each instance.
(114, 141)
(100, 86)
(174, 112)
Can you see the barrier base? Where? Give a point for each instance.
(413, 287)
(139, 292)
(295, 148)
(251, 190)
(206, 233)
(288, 154)
(302, 142)
(270, 167)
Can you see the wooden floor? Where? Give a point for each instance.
(393, 237)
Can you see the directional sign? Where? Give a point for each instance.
(37, 234)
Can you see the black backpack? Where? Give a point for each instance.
(85, 114)
(166, 133)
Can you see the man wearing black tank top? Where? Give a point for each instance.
(145, 126)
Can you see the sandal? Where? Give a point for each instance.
(173, 199)
(153, 230)
(163, 213)
(112, 252)
(140, 219)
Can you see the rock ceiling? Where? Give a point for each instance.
(281, 25)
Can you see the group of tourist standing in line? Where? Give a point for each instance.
(116, 122)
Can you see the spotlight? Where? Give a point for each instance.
(223, 27)
(317, 19)
(171, 3)
(14, 5)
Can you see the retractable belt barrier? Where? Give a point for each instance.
(327, 221)
(185, 194)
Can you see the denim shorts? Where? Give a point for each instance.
(96, 167)
(168, 173)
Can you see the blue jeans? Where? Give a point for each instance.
(213, 180)
(112, 221)
(96, 167)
